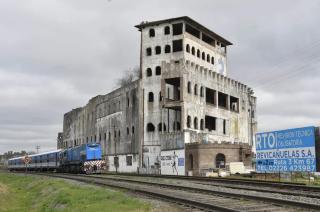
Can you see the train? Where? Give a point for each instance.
(86, 159)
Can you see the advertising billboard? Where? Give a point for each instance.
(291, 150)
(172, 162)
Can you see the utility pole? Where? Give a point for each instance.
(37, 148)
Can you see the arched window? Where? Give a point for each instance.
(203, 56)
(158, 70)
(150, 97)
(149, 51)
(167, 49)
(195, 89)
(201, 124)
(151, 33)
(193, 51)
(195, 123)
(191, 161)
(198, 53)
(201, 91)
(189, 87)
(158, 50)
(132, 130)
(150, 127)
(208, 58)
(149, 72)
(220, 160)
(167, 30)
(189, 121)
(212, 60)
(160, 127)
(188, 48)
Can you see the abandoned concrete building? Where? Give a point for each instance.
(183, 116)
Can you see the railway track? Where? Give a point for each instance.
(198, 198)
(292, 189)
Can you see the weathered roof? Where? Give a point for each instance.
(189, 21)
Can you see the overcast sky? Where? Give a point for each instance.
(56, 55)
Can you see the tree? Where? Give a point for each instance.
(129, 76)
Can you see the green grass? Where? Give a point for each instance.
(35, 193)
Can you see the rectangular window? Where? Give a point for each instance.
(116, 161)
(177, 29)
(224, 126)
(234, 104)
(177, 45)
(210, 96)
(193, 31)
(222, 100)
(208, 39)
(129, 160)
(210, 123)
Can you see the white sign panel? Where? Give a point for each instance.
(173, 162)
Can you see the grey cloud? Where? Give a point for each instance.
(55, 55)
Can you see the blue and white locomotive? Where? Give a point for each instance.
(86, 158)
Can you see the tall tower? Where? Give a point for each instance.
(169, 50)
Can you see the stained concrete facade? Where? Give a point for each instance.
(184, 100)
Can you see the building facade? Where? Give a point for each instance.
(183, 116)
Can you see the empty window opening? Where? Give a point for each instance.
(210, 123)
(158, 50)
(177, 29)
(222, 100)
(128, 102)
(191, 161)
(208, 39)
(150, 97)
(193, 31)
(189, 122)
(151, 33)
(189, 87)
(193, 51)
(234, 104)
(116, 161)
(128, 131)
(224, 126)
(129, 160)
(149, 51)
(201, 91)
(203, 56)
(212, 60)
(172, 89)
(196, 89)
(195, 123)
(158, 70)
(176, 126)
(201, 124)
(210, 96)
(132, 130)
(167, 30)
(160, 127)
(160, 96)
(208, 58)
(198, 53)
(187, 48)
(220, 161)
(177, 45)
(150, 127)
(119, 134)
(167, 49)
